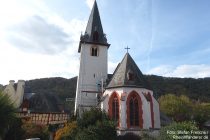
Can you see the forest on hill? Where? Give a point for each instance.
(64, 88)
(197, 89)
(1, 87)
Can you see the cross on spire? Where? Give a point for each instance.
(127, 49)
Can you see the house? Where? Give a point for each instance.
(39, 108)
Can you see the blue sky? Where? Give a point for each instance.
(39, 38)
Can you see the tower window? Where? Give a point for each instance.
(94, 51)
(95, 36)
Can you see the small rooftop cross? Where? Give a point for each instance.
(127, 49)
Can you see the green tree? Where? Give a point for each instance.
(181, 108)
(102, 130)
(201, 113)
(7, 114)
(15, 132)
(177, 107)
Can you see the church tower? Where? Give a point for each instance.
(93, 49)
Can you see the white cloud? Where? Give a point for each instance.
(90, 3)
(111, 67)
(55, 34)
(194, 71)
(161, 70)
(37, 35)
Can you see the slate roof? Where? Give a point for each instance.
(127, 74)
(94, 25)
(45, 103)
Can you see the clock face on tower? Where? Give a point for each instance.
(94, 50)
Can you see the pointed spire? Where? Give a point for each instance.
(128, 74)
(94, 31)
(94, 22)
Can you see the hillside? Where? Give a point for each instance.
(66, 88)
(194, 88)
(1, 87)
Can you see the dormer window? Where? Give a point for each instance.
(130, 75)
(95, 36)
(94, 51)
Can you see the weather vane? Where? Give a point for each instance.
(127, 49)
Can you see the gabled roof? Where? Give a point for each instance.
(127, 74)
(94, 32)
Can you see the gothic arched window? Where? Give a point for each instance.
(94, 51)
(114, 107)
(134, 110)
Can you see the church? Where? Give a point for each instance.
(126, 96)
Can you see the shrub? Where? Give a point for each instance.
(177, 107)
(94, 124)
(129, 136)
(66, 132)
(33, 130)
(170, 131)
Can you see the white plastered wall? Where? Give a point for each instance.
(156, 111)
(145, 106)
(92, 70)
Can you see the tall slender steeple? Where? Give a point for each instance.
(94, 31)
(93, 49)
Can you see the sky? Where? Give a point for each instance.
(40, 38)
